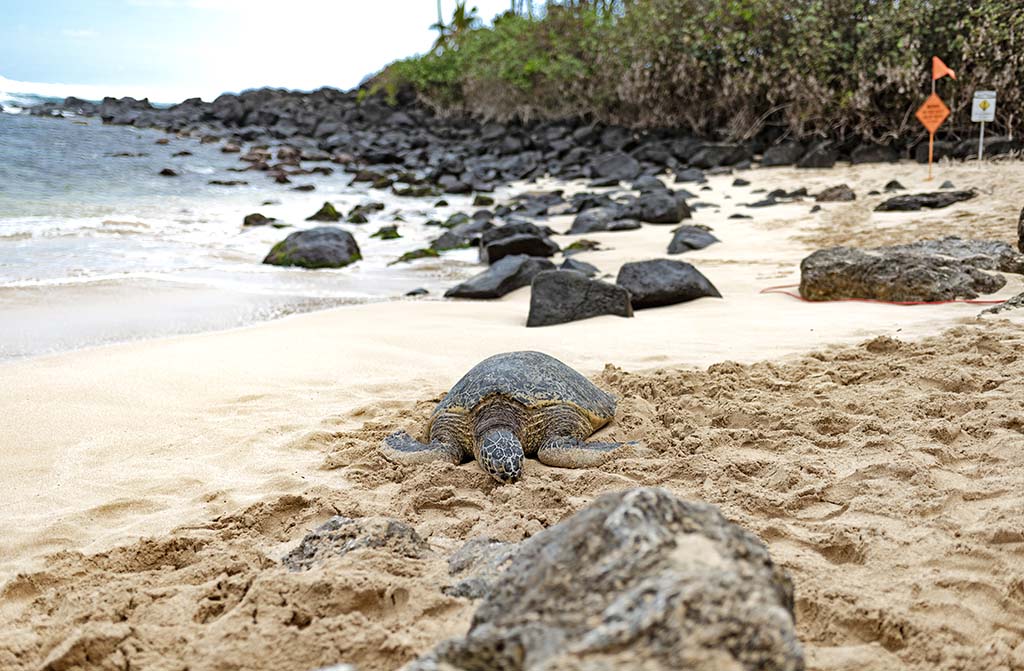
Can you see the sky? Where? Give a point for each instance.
(170, 50)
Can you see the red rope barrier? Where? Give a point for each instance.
(781, 289)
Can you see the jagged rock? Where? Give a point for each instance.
(822, 155)
(167, 172)
(873, 153)
(425, 253)
(524, 243)
(783, 154)
(917, 201)
(387, 233)
(505, 275)
(648, 184)
(340, 535)
(1015, 303)
(930, 270)
(325, 213)
(481, 200)
(690, 175)
(257, 219)
(598, 219)
(836, 194)
(579, 266)
(322, 247)
(663, 282)
(583, 245)
(561, 296)
(739, 181)
(478, 565)
(662, 208)
(227, 182)
(616, 165)
(522, 228)
(463, 235)
(637, 580)
(689, 238)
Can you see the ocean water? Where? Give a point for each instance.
(97, 248)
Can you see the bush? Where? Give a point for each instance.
(848, 69)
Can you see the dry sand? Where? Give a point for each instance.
(886, 476)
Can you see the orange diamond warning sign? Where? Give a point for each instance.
(932, 113)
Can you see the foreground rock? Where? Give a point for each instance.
(561, 296)
(340, 535)
(504, 276)
(663, 282)
(321, 247)
(638, 580)
(930, 270)
(918, 201)
(690, 238)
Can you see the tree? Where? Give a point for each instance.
(463, 21)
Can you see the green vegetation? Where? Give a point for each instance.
(728, 68)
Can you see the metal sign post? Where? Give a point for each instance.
(983, 109)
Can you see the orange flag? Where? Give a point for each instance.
(940, 69)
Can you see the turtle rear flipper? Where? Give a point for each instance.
(569, 452)
(405, 449)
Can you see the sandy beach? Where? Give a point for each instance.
(149, 489)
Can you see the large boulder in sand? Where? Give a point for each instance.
(787, 153)
(662, 207)
(340, 535)
(524, 243)
(663, 282)
(690, 238)
(505, 275)
(917, 201)
(616, 165)
(638, 580)
(321, 247)
(560, 296)
(930, 270)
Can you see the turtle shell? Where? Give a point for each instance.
(533, 379)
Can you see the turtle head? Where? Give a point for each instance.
(501, 455)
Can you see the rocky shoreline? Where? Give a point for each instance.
(407, 148)
(428, 153)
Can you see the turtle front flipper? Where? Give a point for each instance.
(405, 449)
(570, 452)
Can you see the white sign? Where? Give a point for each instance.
(984, 107)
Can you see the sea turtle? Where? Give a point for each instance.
(510, 406)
